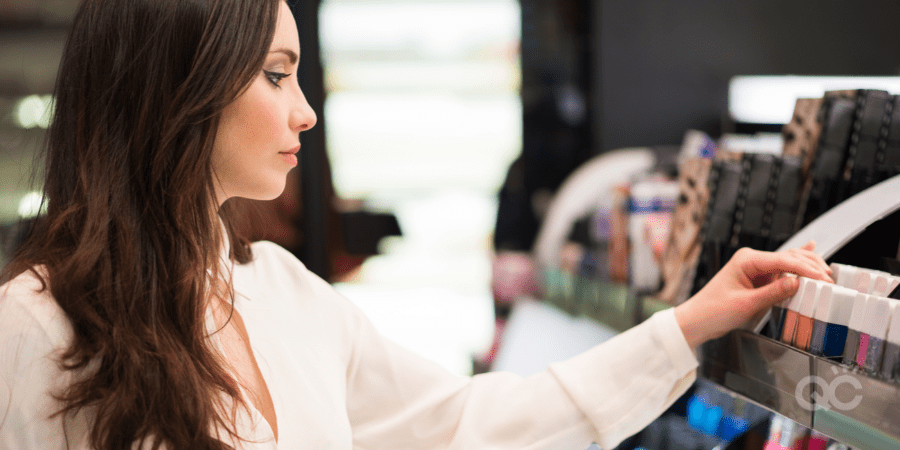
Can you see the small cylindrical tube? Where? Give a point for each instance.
(851, 347)
(803, 334)
(890, 363)
(823, 303)
(836, 318)
(873, 333)
(862, 282)
(843, 275)
(790, 314)
(881, 285)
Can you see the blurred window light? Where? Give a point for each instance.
(423, 95)
(771, 99)
(31, 205)
(33, 111)
(420, 29)
(471, 77)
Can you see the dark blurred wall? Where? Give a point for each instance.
(663, 67)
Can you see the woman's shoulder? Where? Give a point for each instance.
(271, 260)
(27, 308)
(267, 251)
(274, 269)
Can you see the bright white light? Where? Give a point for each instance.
(33, 111)
(771, 99)
(30, 205)
(427, 29)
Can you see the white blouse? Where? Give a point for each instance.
(337, 384)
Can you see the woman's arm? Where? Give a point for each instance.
(749, 283)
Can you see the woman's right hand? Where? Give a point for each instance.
(750, 282)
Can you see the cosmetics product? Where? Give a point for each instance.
(880, 285)
(773, 442)
(890, 364)
(792, 434)
(856, 319)
(831, 321)
(823, 302)
(817, 441)
(862, 282)
(873, 333)
(652, 202)
(776, 318)
(894, 282)
(805, 315)
(791, 315)
(843, 275)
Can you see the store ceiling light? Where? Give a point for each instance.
(771, 99)
(33, 111)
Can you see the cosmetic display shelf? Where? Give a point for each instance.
(610, 303)
(847, 405)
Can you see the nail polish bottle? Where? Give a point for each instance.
(843, 275)
(880, 285)
(890, 364)
(831, 321)
(776, 317)
(817, 336)
(894, 282)
(853, 330)
(862, 282)
(873, 334)
(805, 314)
(790, 314)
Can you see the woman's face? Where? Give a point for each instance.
(258, 134)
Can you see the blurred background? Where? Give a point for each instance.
(432, 111)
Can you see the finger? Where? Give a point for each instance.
(809, 263)
(811, 245)
(762, 263)
(814, 258)
(776, 291)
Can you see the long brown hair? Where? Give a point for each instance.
(132, 224)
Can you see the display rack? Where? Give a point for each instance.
(794, 383)
(613, 304)
(813, 391)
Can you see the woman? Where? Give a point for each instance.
(136, 318)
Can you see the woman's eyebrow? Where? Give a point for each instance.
(292, 56)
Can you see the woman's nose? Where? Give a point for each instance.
(302, 115)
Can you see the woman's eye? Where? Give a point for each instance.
(275, 77)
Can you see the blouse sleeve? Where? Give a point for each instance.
(398, 400)
(28, 375)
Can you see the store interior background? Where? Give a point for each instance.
(424, 104)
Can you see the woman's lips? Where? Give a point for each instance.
(290, 156)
